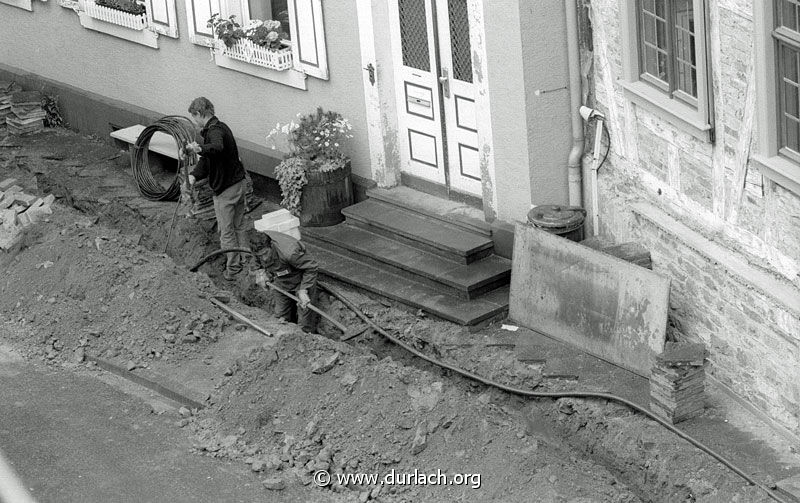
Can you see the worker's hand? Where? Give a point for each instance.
(305, 300)
(193, 147)
(261, 279)
(192, 179)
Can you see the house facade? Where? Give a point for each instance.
(440, 92)
(701, 103)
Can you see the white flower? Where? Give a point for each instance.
(273, 25)
(252, 25)
(272, 36)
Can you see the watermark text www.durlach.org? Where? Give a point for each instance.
(323, 478)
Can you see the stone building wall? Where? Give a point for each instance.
(734, 269)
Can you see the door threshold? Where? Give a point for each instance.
(438, 190)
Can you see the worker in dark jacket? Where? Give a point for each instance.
(283, 261)
(219, 162)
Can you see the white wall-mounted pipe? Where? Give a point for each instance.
(574, 168)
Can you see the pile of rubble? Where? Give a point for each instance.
(19, 210)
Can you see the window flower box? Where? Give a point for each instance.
(115, 16)
(249, 52)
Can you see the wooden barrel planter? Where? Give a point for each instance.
(324, 197)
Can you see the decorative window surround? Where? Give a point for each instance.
(308, 51)
(22, 4)
(772, 165)
(695, 121)
(143, 36)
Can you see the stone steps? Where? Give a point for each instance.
(433, 270)
(421, 231)
(407, 291)
(451, 212)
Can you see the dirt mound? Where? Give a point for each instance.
(310, 404)
(87, 289)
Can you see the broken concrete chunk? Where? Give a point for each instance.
(322, 365)
(274, 484)
(24, 199)
(8, 182)
(420, 439)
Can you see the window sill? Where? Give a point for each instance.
(679, 115)
(22, 4)
(290, 77)
(780, 170)
(144, 37)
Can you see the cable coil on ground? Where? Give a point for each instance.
(182, 130)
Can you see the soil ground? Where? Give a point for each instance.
(94, 281)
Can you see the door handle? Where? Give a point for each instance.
(444, 81)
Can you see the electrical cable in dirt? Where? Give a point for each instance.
(559, 394)
(182, 130)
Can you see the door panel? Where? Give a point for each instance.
(460, 122)
(416, 85)
(438, 128)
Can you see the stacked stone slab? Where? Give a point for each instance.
(677, 382)
(19, 210)
(6, 90)
(27, 114)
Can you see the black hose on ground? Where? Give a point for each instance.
(519, 391)
(182, 130)
(213, 254)
(559, 394)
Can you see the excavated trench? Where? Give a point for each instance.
(648, 460)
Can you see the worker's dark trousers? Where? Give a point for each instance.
(287, 309)
(229, 210)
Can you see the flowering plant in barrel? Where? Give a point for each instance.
(314, 144)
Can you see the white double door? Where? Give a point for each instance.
(434, 85)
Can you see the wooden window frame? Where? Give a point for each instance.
(775, 163)
(693, 115)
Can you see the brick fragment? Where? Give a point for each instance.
(24, 199)
(37, 213)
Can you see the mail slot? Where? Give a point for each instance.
(418, 101)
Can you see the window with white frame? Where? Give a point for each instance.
(787, 47)
(665, 63)
(301, 19)
(777, 74)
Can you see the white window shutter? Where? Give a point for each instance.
(162, 17)
(198, 12)
(308, 37)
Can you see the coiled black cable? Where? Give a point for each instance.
(182, 130)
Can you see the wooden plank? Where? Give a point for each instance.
(161, 143)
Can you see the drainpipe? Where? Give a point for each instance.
(574, 169)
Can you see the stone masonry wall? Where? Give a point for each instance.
(734, 270)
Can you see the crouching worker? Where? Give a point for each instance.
(283, 261)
